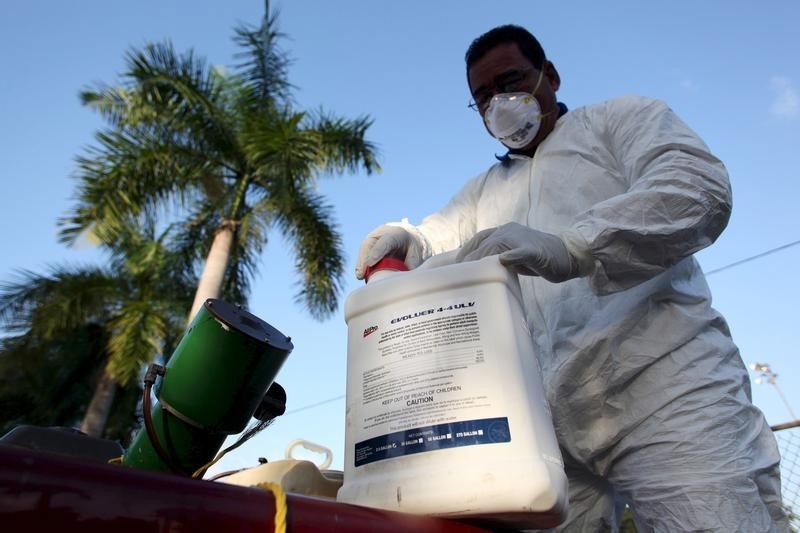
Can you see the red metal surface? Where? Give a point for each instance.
(45, 492)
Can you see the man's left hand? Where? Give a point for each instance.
(523, 250)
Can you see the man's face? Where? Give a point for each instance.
(503, 68)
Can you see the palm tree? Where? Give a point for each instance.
(227, 156)
(73, 321)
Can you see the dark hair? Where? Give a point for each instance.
(509, 33)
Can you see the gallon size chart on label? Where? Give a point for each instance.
(436, 437)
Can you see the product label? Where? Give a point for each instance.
(424, 381)
(440, 436)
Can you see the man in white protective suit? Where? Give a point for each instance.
(599, 210)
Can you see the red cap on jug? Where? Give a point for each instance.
(387, 263)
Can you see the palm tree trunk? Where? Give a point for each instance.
(94, 421)
(210, 285)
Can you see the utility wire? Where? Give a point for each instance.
(323, 402)
(737, 263)
(720, 269)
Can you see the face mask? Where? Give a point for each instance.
(514, 118)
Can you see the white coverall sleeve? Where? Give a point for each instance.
(678, 199)
(454, 224)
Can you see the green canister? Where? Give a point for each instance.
(212, 386)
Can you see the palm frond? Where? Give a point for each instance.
(343, 143)
(278, 147)
(53, 303)
(177, 92)
(137, 338)
(263, 65)
(178, 83)
(119, 105)
(188, 95)
(131, 172)
(307, 221)
(304, 146)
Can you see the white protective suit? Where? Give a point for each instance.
(650, 399)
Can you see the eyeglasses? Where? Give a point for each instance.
(507, 82)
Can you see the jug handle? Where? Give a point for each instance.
(318, 448)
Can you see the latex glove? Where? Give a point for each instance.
(388, 241)
(523, 250)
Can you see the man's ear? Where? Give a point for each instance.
(552, 76)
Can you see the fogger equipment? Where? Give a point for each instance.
(221, 375)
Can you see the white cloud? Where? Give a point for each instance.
(689, 85)
(786, 103)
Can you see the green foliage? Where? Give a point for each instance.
(48, 382)
(66, 326)
(204, 149)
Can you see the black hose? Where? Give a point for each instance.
(226, 474)
(149, 380)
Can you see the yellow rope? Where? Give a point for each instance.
(116, 460)
(281, 508)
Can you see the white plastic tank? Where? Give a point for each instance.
(446, 413)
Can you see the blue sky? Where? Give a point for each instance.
(728, 68)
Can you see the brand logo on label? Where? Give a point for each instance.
(370, 330)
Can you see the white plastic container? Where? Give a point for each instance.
(446, 413)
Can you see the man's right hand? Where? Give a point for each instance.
(388, 241)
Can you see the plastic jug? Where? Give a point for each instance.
(446, 413)
(294, 475)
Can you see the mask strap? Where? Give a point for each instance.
(541, 77)
(532, 94)
(538, 84)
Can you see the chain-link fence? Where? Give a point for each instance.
(788, 437)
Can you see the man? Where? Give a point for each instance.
(599, 210)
